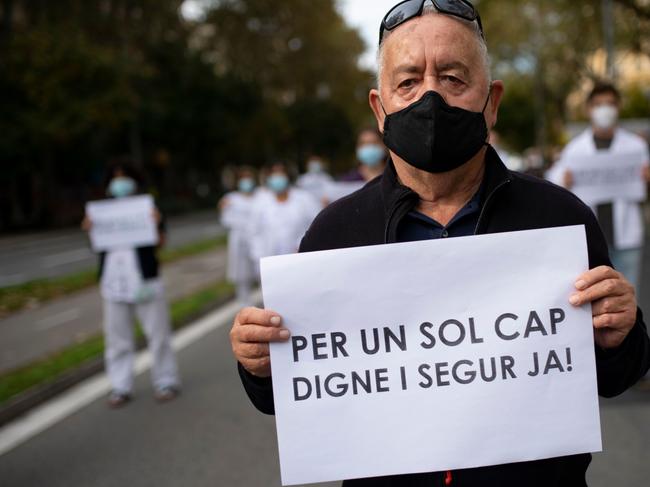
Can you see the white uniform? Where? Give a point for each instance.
(127, 296)
(277, 227)
(628, 218)
(314, 183)
(241, 268)
(628, 222)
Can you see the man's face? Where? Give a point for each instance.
(603, 112)
(603, 99)
(439, 53)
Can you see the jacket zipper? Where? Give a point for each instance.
(478, 223)
(449, 478)
(392, 215)
(486, 205)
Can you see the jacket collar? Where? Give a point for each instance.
(395, 193)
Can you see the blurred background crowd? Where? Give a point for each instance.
(181, 88)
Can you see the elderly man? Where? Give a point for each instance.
(434, 106)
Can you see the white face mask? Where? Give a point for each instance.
(604, 116)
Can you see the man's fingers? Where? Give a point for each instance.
(611, 320)
(260, 334)
(258, 316)
(599, 290)
(250, 335)
(254, 350)
(615, 304)
(595, 275)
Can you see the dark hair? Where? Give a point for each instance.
(125, 166)
(370, 128)
(243, 170)
(602, 87)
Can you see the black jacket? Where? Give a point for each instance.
(512, 202)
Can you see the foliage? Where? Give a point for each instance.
(85, 82)
(547, 44)
(636, 102)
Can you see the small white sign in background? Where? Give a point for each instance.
(122, 223)
(432, 355)
(604, 178)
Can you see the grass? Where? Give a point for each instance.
(15, 298)
(51, 368)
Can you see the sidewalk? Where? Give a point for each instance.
(32, 334)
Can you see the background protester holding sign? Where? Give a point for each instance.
(621, 219)
(236, 207)
(131, 287)
(435, 104)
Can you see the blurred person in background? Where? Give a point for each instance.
(511, 160)
(371, 154)
(236, 208)
(140, 294)
(316, 179)
(622, 220)
(280, 217)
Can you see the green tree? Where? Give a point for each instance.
(550, 42)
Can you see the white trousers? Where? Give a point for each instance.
(243, 293)
(119, 346)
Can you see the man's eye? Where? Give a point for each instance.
(452, 80)
(407, 83)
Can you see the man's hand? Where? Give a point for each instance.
(250, 335)
(613, 304)
(567, 179)
(646, 173)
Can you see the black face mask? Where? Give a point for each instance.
(433, 136)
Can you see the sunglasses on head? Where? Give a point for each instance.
(409, 9)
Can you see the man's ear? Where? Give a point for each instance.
(375, 104)
(495, 101)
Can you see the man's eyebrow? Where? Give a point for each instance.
(407, 68)
(453, 65)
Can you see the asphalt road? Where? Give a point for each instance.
(57, 253)
(212, 436)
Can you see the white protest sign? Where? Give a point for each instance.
(606, 177)
(122, 223)
(433, 355)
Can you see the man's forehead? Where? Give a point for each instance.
(448, 38)
(606, 97)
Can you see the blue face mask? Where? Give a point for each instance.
(246, 185)
(121, 187)
(314, 166)
(278, 183)
(371, 155)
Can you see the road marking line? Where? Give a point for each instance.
(81, 395)
(59, 319)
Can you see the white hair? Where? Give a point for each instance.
(428, 10)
